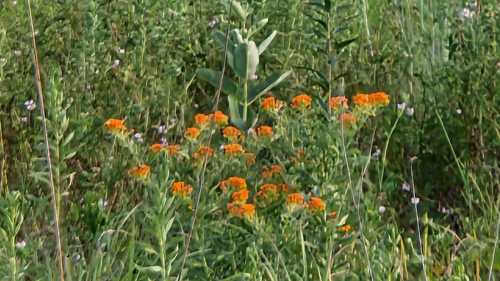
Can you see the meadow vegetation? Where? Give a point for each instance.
(249, 140)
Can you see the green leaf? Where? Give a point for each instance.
(220, 38)
(271, 82)
(213, 77)
(237, 8)
(343, 44)
(246, 59)
(258, 26)
(264, 44)
(154, 268)
(234, 111)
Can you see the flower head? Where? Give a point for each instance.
(181, 189)
(115, 125)
(378, 99)
(267, 193)
(241, 210)
(301, 101)
(345, 228)
(220, 118)
(265, 131)
(231, 132)
(192, 133)
(142, 171)
(347, 119)
(271, 103)
(240, 196)
(337, 102)
(172, 149)
(157, 147)
(270, 171)
(203, 152)
(316, 204)
(237, 182)
(201, 119)
(361, 99)
(294, 200)
(233, 149)
(30, 105)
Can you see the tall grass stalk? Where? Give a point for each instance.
(38, 84)
(415, 205)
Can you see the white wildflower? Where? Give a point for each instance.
(415, 200)
(405, 186)
(116, 63)
(381, 209)
(409, 111)
(376, 154)
(17, 53)
(30, 105)
(402, 106)
(21, 244)
(459, 111)
(138, 137)
(161, 129)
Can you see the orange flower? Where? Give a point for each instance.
(240, 196)
(201, 119)
(284, 187)
(202, 152)
(181, 189)
(316, 204)
(157, 147)
(301, 101)
(336, 102)
(332, 215)
(241, 210)
(268, 191)
(265, 131)
(250, 158)
(172, 149)
(268, 172)
(220, 118)
(345, 228)
(233, 148)
(231, 132)
(141, 171)
(361, 99)
(295, 199)
(347, 118)
(271, 103)
(379, 98)
(115, 125)
(237, 182)
(192, 133)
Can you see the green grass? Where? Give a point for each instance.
(141, 61)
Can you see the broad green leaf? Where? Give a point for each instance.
(234, 111)
(341, 45)
(213, 77)
(236, 7)
(258, 26)
(220, 38)
(264, 44)
(246, 59)
(271, 82)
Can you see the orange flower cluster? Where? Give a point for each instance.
(142, 171)
(116, 126)
(240, 196)
(316, 204)
(271, 103)
(301, 101)
(172, 149)
(241, 210)
(373, 99)
(233, 149)
(192, 133)
(231, 132)
(219, 118)
(201, 119)
(294, 200)
(347, 118)
(345, 228)
(269, 172)
(181, 189)
(203, 152)
(337, 102)
(233, 182)
(157, 147)
(268, 192)
(265, 131)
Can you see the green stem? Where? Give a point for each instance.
(245, 105)
(384, 156)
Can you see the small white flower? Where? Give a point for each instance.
(405, 186)
(164, 141)
(21, 244)
(14, 2)
(254, 77)
(376, 154)
(401, 106)
(195, 105)
(17, 53)
(381, 209)
(138, 137)
(212, 23)
(76, 257)
(161, 129)
(465, 13)
(121, 51)
(116, 63)
(102, 203)
(459, 111)
(24, 119)
(445, 210)
(221, 147)
(30, 105)
(409, 111)
(415, 200)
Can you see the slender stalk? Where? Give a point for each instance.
(495, 246)
(38, 84)
(418, 220)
